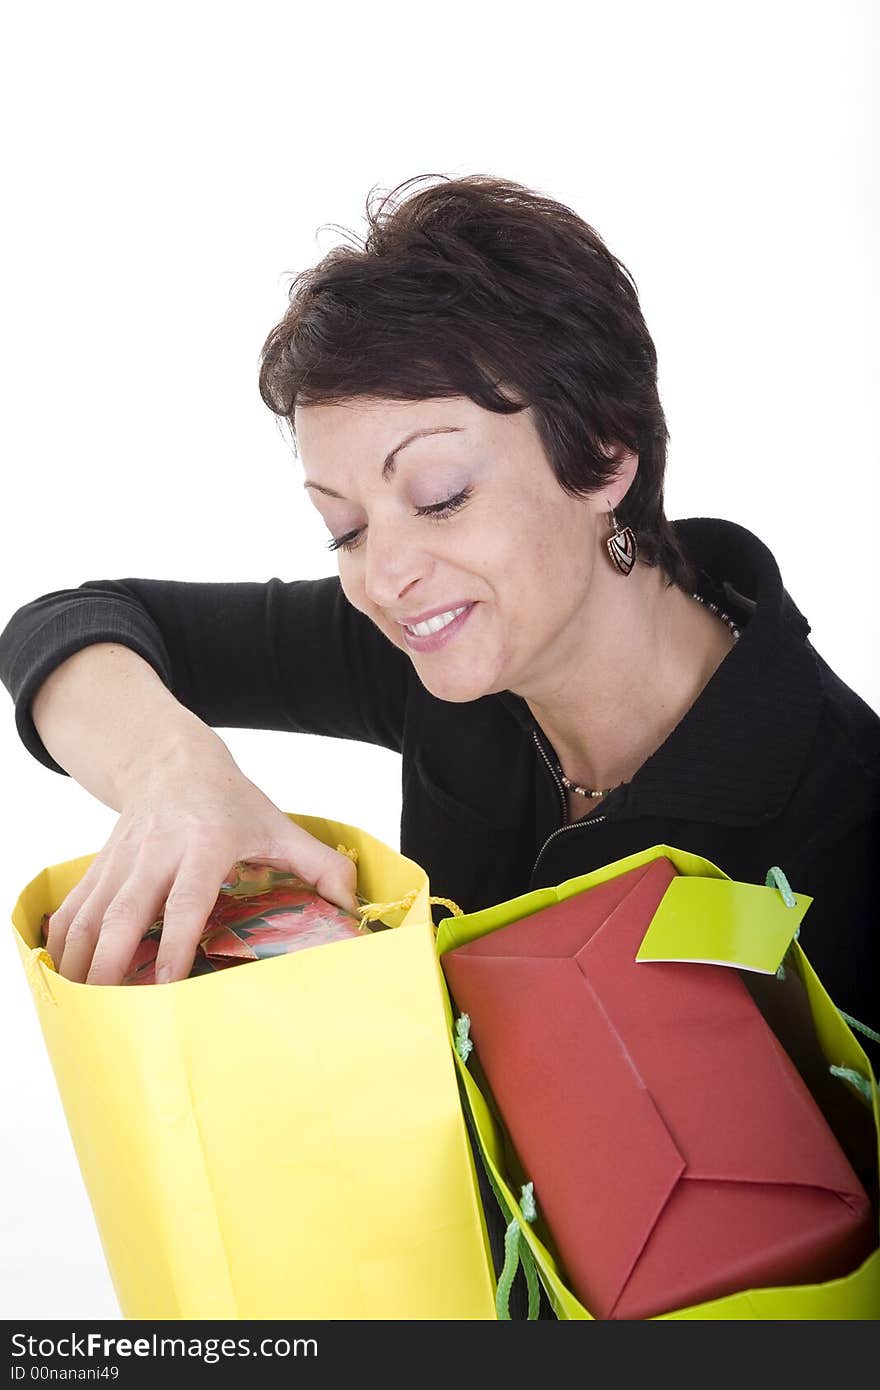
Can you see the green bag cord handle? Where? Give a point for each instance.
(855, 1078)
(776, 879)
(463, 1045)
(516, 1249)
(859, 1027)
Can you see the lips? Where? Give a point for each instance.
(430, 641)
(429, 613)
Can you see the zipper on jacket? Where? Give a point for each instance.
(571, 825)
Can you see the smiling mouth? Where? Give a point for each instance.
(435, 624)
(432, 634)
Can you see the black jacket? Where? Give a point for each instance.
(776, 763)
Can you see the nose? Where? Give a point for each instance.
(394, 562)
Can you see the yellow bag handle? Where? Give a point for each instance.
(372, 912)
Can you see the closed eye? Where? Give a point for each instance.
(435, 510)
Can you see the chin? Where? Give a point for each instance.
(454, 690)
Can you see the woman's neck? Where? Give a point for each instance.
(644, 653)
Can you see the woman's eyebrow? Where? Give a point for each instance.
(389, 465)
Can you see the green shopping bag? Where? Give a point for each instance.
(703, 916)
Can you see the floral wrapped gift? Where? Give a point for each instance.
(259, 912)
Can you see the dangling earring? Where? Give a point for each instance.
(622, 546)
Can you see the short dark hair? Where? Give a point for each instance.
(476, 282)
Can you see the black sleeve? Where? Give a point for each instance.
(283, 655)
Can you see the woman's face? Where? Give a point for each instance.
(467, 517)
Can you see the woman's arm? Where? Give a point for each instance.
(105, 716)
(118, 682)
(277, 655)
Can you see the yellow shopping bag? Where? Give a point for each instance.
(704, 915)
(282, 1140)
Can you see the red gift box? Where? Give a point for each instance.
(676, 1154)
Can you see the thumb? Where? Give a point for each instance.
(330, 873)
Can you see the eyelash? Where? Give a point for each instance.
(436, 511)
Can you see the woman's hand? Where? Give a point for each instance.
(183, 827)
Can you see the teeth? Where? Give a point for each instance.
(435, 624)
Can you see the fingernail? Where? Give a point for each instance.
(163, 974)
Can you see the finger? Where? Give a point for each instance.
(333, 875)
(193, 894)
(63, 915)
(82, 934)
(128, 915)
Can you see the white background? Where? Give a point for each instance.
(167, 166)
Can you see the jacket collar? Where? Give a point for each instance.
(735, 756)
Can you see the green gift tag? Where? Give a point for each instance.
(720, 921)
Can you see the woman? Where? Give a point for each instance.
(568, 676)
(473, 394)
